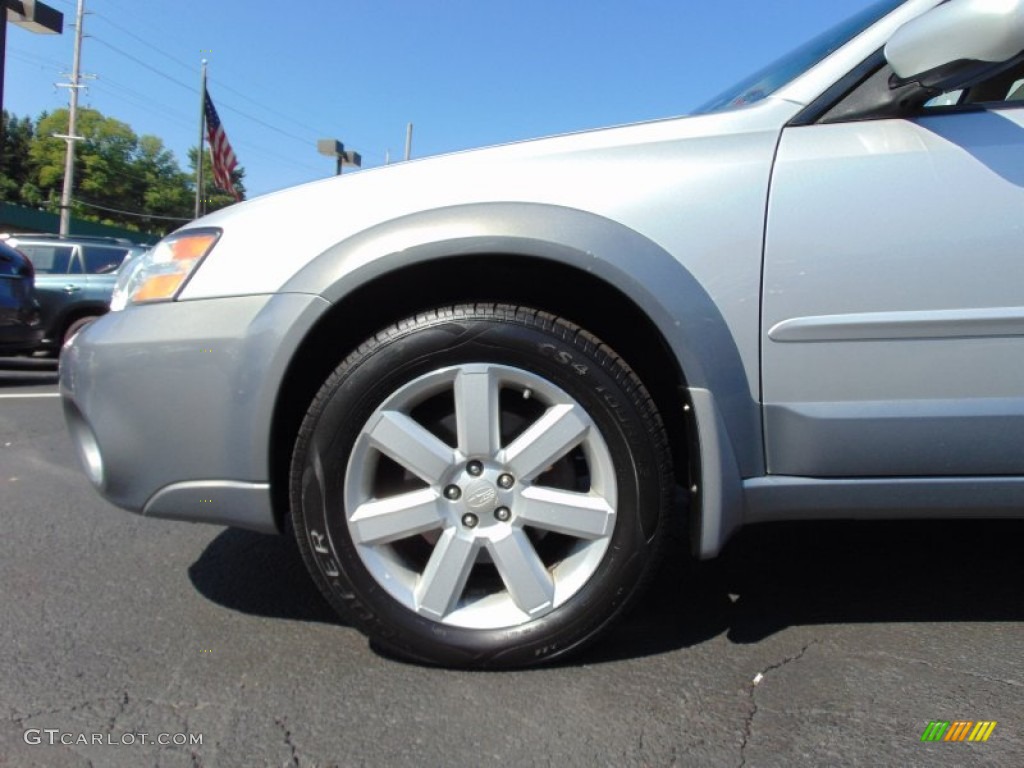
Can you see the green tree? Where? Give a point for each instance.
(120, 178)
(14, 160)
(213, 196)
(103, 161)
(164, 189)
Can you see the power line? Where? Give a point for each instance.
(146, 43)
(130, 213)
(312, 131)
(127, 95)
(28, 56)
(261, 122)
(220, 103)
(140, 62)
(123, 92)
(190, 68)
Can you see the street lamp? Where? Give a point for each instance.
(334, 148)
(31, 15)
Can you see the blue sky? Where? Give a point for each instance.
(466, 73)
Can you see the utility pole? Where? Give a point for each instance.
(408, 141)
(72, 137)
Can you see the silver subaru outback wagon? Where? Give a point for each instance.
(473, 398)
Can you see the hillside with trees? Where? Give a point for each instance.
(121, 178)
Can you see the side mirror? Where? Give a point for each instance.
(957, 43)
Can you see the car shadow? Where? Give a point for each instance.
(770, 577)
(774, 576)
(261, 575)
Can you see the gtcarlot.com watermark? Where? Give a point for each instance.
(55, 736)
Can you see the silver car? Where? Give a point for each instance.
(478, 388)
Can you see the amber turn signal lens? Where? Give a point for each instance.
(170, 264)
(158, 287)
(192, 246)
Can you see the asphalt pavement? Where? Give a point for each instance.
(812, 644)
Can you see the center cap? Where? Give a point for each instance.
(481, 496)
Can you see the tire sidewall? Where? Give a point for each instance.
(556, 353)
(75, 326)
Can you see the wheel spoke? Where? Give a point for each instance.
(574, 514)
(411, 445)
(395, 518)
(442, 581)
(558, 431)
(476, 411)
(525, 577)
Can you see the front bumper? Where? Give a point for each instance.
(19, 338)
(170, 405)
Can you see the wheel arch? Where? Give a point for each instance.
(585, 268)
(68, 315)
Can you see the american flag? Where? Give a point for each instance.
(224, 161)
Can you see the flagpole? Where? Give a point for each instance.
(202, 144)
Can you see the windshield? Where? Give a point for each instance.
(789, 67)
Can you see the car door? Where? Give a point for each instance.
(101, 263)
(893, 293)
(60, 281)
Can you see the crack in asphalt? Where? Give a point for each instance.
(122, 704)
(122, 700)
(282, 723)
(748, 725)
(20, 719)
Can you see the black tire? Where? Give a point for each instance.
(75, 326)
(624, 450)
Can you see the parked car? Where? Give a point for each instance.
(75, 277)
(20, 327)
(474, 395)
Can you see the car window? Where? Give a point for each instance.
(102, 260)
(768, 80)
(1006, 88)
(12, 264)
(51, 259)
(949, 99)
(877, 97)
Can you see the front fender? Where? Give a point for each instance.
(666, 291)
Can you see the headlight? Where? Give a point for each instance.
(160, 273)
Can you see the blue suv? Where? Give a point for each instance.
(75, 277)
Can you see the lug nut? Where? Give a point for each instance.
(503, 514)
(470, 520)
(452, 492)
(506, 481)
(475, 468)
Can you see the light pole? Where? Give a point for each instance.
(27, 14)
(334, 148)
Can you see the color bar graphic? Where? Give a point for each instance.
(935, 731)
(958, 730)
(982, 730)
